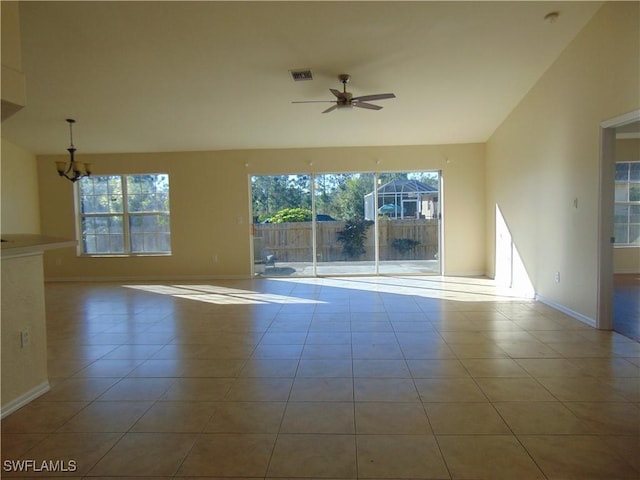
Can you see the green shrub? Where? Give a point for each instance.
(287, 215)
(353, 236)
(403, 245)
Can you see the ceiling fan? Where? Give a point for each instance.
(345, 100)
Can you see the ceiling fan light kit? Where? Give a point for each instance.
(346, 101)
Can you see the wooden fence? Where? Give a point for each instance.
(291, 242)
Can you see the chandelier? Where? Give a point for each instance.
(75, 170)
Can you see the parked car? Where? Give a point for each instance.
(321, 217)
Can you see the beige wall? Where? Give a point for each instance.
(544, 159)
(10, 45)
(19, 202)
(24, 367)
(12, 78)
(210, 205)
(627, 259)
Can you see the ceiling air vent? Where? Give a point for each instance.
(301, 75)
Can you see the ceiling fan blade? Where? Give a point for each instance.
(370, 106)
(345, 100)
(379, 96)
(315, 101)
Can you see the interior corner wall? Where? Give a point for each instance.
(19, 190)
(210, 205)
(543, 161)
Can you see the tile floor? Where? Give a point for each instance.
(346, 378)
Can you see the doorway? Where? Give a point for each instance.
(614, 310)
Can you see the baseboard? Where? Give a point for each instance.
(626, 271)
(24, 399)
(158, 278)
(479, 273)
(572, 313)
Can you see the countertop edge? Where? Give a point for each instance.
(24, 244)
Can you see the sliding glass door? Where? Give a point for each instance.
(408, 222)
(346, 224)
(345, 240)
(282, 227)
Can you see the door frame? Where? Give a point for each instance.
(604, 319)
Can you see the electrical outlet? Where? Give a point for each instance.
(25, 339)
(557, 277)
(215, 258)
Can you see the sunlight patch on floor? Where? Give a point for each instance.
(221, 295)
(461, 289)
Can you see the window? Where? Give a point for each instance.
(627, 204)
(124, 214)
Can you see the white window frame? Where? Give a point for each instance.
(627, 203)
(125, 215)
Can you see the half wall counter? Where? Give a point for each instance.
(23, 319)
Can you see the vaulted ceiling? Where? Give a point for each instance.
(181, 76)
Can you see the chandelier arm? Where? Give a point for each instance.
(71, 161)
(73, 171)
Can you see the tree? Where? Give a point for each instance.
(340, 195)
(351, 193)
(389, 177)
(326, 188)
(353, 236)
(272, 193)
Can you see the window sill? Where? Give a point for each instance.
(123, 255)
